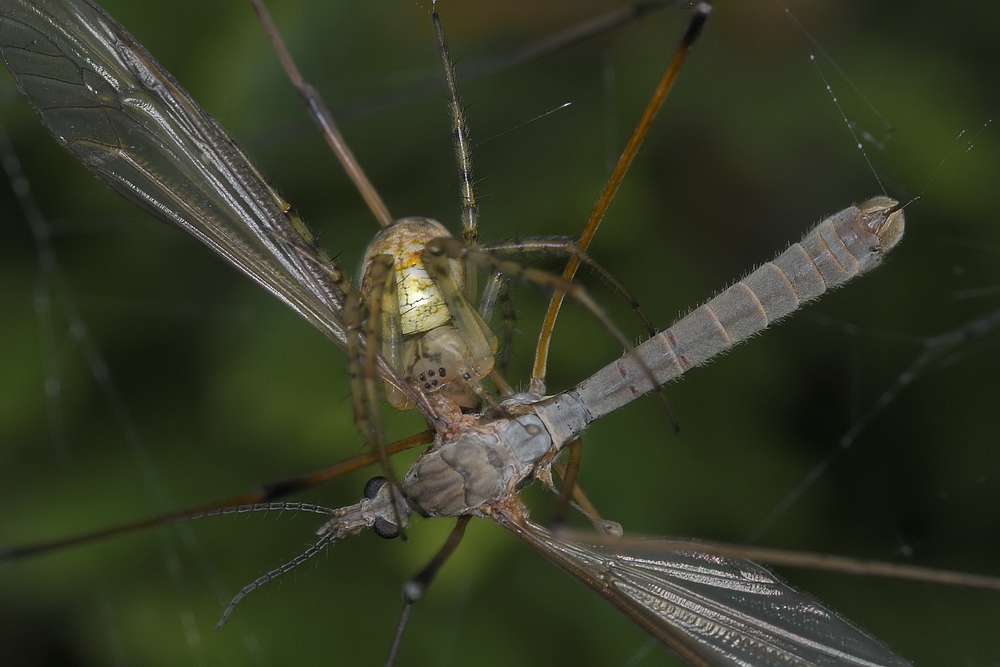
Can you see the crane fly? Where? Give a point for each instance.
(290, 249)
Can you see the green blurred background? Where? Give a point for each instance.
(222, 388)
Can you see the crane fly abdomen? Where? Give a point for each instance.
(839, 248)
(430, 334)
(843, 246)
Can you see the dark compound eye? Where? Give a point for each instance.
(387, 530)
(372, 486)
(441, 371)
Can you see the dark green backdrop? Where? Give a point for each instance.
(222, 388)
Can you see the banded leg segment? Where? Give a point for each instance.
(462, 143)
(364, 340)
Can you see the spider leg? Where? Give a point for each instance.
(323, 118)
(701, 13)
(363, 322)
(439, 250)
(566, 246)
(496, 295)
(414, 589)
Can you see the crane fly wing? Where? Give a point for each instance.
(127, 120)
(709, 609)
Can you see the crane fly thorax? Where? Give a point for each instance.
(480, 462)
(478, 466)
(430, 334)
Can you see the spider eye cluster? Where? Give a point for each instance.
(431, 378)
(441, 361)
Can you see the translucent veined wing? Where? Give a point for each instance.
(127, 120)
(105, 98)
(709, 609)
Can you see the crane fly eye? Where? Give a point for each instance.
(372, 487)
(385, 529)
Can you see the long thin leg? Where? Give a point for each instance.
(568, 487)
(496, 295)
(414, 589)
(439, 250)
(701, 12)
(586, 30)
(363, 345)
(463, 154)
(323, 118)
(571, 494)
(261, 494)
(569, 247)
(462, 144)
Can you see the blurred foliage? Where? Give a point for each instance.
(215, 387)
